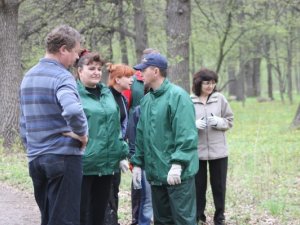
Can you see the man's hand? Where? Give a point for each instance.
(82, 139)
(174, 174)
(137, 177)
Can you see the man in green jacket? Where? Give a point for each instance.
(166, 145)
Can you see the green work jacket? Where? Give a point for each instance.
(166, 134)
(105, 146)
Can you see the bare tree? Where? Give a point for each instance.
(141, 37)
(124, 51)
(296, 121)
(178, 33)
(10, 64)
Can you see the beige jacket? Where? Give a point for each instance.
(212, 141)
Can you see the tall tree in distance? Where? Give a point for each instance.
(140, 24)
(10, 64)
(178, 14)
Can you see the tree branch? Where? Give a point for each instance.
(226, 83)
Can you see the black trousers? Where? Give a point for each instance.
(95, 193)
(218, 174)
(111, 214)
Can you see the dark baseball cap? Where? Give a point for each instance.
(152, 59)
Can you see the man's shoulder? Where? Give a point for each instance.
(49, 70)
(176, 90)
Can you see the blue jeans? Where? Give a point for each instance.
(57, 187)
(145, 212)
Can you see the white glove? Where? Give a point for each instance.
(201, 123)
(137, 177)
(124, 165)
(214, 120)
(174, 174)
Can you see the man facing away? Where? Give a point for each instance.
(166, 145)
(50, 115)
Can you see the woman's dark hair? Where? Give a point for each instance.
(86, 58)
(203, 75)
(89, 57)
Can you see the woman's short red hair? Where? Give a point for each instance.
(118, 71)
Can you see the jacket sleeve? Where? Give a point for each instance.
(131, 134)
(226, 115)
(124, 148)
(183, 125)
(72, 110)
(138, 158)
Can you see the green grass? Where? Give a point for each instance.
(264, 160)
(264, 167)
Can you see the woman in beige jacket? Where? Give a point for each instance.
(213, 117)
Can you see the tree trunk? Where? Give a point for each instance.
(296, 120)
(141, 37)
(240, 91)
(252, 75)
(248, 72)
(232, 86)
(122, 28)
(10, 71)
(178, 33)
(278, 69)
(267, 47)
(256, 76)
(289, 67)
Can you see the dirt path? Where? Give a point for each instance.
(17, 207)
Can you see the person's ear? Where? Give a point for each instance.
(63, 49)
(156, 71)
(79, 70)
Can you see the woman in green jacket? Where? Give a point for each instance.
(106, 147)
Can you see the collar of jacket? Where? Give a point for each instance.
(81, 88)
(212, 98)
(162, 89)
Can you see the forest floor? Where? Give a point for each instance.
(18, 207)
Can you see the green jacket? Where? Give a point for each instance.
(166, 134)
(137, 93)
(105, 147)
